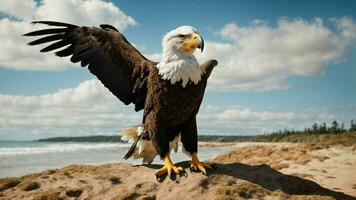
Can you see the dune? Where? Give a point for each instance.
(252, 171)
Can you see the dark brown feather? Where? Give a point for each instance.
(65, 52)
(132, 149)
(55, 45)
(104, 26)
(82, 55)
(46, 32)
(52, 23)
(208, 67)
(46, 39)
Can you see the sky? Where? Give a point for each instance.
(282, 64)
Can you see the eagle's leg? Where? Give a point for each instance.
(158, 132)
(189, 138)
(197, 165)
(168, 167)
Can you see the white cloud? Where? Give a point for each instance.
(15, 54)
(347, 28)
(86, 109)
(20, 9)
(92, 12)
(262, 56)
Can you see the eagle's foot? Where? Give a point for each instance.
(199, 166)
(168, 168)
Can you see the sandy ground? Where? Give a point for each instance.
(337, 171)
(332, 167)
(252, 171)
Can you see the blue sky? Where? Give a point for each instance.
(297, 92)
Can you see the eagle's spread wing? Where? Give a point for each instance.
(106, 52)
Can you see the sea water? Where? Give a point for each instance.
(23, 157)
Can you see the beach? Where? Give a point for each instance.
(22, 157)
(241, 171)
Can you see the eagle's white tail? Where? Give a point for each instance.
(130, 134)
(142, 148)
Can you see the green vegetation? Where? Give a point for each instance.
(345, 138)
(335, 134)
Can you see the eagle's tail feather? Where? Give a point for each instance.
(132, 136)
(140, 148)
(132, 149)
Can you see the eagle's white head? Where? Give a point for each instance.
(178, 62)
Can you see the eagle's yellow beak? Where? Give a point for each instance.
(193, 42)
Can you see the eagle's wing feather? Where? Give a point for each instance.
(106, 52)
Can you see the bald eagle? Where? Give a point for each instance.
(170, 92)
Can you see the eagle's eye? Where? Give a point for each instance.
(181, 36)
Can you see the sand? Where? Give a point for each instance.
(252, 171)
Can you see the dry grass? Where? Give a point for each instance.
(324, 140)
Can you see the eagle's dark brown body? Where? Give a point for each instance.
(169, 109)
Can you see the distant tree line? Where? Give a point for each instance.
(322, 128)
(285, 135)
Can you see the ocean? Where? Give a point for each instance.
(22, 157)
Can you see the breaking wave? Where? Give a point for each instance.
(56, 147)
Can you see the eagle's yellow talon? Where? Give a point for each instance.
(197, 165)
(161, 172)
(168, 168)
